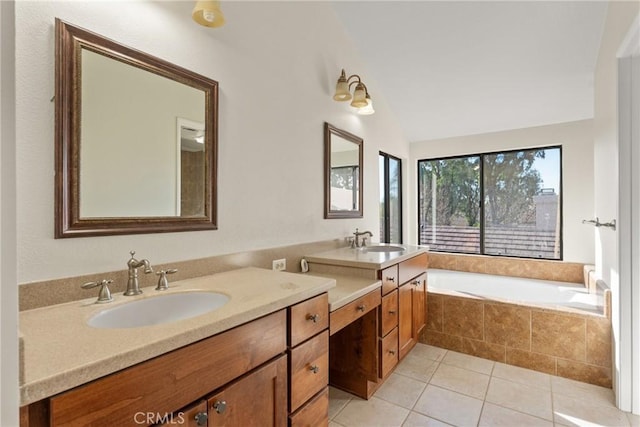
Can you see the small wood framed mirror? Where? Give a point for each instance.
(343, 164)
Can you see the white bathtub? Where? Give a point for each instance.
(514, 289)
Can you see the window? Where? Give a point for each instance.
(390, 198)
(507, 203)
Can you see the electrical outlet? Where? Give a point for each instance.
(279, 264)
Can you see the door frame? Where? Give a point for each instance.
(627, 346)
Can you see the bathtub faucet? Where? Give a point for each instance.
(133, 287)
(355, 243)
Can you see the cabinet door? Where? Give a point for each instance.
(192, 416)
(419, 301)
(258, 399)
(405, 319)
(166, 383)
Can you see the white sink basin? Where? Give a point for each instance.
(384, 248)
(158, 310)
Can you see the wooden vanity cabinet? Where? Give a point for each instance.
(245, 376)
(308, 350)
(419, 305)
(371, 335)
(388, 337)
(389, 278)
(314, 413)
(412, 299)
(194, 415)
(164, 384)
(353, 354)
(389, 313)
(259, 398)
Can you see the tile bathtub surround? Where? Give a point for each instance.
(39, 294)
(437, 387)
(516, 267)
(570, 344)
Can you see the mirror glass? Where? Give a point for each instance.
(136, 140)
(343, 173)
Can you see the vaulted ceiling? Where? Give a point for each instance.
(451, 68)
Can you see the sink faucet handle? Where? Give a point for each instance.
(104, 295)
(163, 282)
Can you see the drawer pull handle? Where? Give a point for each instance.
(392, 312)
(201, 418)
(361, 307)
(220, 406)
(314, 368)
(415, 282)
(390, 279)
(392, 352)
(313, 317)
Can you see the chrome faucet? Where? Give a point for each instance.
(133, 287)
(355, 243)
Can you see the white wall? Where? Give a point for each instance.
(607, 197)
(576, 140)
(276, 63)
(8, 290)
(605, 125)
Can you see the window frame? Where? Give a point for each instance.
(386, 195)
(482, 200)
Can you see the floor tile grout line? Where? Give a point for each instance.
(553, 391)
(520, 411)
(349, 399)
(553, 409)
(484, 399)
(400, 406)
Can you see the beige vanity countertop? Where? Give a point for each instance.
(348, 289)
(61, 351)
(362, 258)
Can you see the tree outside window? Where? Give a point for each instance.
(506, 203)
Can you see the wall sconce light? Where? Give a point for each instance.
(208, 13)
(360, 100)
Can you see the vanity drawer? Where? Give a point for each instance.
(412, 267)
(309, 369)
(354, 310)
(388, 352)
(388, 313)
(389, 278)
(308, 318)
(313, 413)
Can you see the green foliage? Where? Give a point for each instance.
(510, 182)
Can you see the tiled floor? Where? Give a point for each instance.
(437, 387)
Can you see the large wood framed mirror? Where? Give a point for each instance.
(342, 173)
(136, 140)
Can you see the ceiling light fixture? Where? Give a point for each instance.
(208, 13)
(360, 100)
